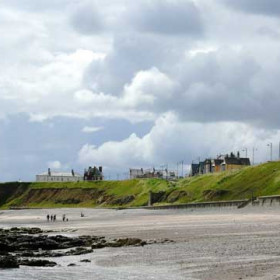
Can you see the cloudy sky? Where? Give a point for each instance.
(124, 83)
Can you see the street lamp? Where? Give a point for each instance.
(253, 158)
(270, 145)
(246, 151)
(182, 163)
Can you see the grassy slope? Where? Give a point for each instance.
(261, 180)
(85, 194)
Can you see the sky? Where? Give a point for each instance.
(129, 84)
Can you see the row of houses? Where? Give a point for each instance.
(221, 163)
(151, 173)
(90, 174)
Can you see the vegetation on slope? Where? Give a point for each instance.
(240, 184)
(82, 194)
(254, 181)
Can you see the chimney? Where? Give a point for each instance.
(73, 173)
(100, 169)
(49, 172)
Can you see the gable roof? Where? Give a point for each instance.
(237, 161)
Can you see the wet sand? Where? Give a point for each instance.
(220, 243)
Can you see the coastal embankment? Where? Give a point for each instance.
(239, 185)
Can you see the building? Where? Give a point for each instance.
(51, 176)
(151, 173)
(221, 163)
(194, 169)
(93, 174)
(136, 173)
(231, 163)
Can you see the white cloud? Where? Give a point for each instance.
(148, 87)
(139, 61)
(171, 140)
(92, 129)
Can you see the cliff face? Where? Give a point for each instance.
(259, 180)
(79, 194)
(12, 190)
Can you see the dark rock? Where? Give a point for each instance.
(126, 242)
(4, 247)
(98, 245)
(8, 262)
(78, 251)
(23, 230)
(36, 262)
(85, 260)
(71, 264)
(31, 243)
(26, 254)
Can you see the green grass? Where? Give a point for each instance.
(240, 184)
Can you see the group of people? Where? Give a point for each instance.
(52, 218)
(64, 218)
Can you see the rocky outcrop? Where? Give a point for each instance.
(8, 261)
(126, 242)
(24, 246)
(36, 262)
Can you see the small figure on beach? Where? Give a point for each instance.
(63, 217)
(51, 217)
(82, 214)
(48, 217)
(54, 218)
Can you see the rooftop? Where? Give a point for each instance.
(61, 174)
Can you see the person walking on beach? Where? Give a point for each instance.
(51, 217)
(48, 217)
(63, 217)
(54, 218)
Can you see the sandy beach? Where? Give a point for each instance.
(218, 243)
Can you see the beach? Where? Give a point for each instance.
(210, 243)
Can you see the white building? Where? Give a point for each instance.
(136, 173)
(152, 173)
(51, 176)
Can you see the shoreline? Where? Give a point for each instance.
(209, 243)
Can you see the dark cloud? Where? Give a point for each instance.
(86, 18)
(203, 62)
(265, 7)
(131, 53)
(228, 86)
(166, 17)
